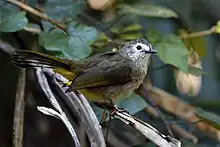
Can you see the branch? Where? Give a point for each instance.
(144, 128)
(178, 130)
(177, 107)
(199, 34)
(18, 123)
(78, 105)
(6, 47)
(38, 13)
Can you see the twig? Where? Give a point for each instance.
(144, 128)
(32, 30)
(79, 105)
(38, 13)
(199, 34)
(179, 108)
(6, 47)
(178, 130)
(19, 111)
(48, 92)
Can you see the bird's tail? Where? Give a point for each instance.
(25, 59)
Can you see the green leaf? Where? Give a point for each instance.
(197, 43)
(131, 28)
(196, 71)
(218, 27)
(55, 40)
(171, 50)
(148, 10)
(208, 117)
(62, 10)
(153, 36)
(132, 104)
(12, 22)
(75, 45)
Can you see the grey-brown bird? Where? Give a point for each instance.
(107, 76)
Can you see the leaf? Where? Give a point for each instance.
(197, 43)
(131, 28)
(132, 104)
(55, 40)
(12, 22)
(171, 50)
(218, 27)
(208, 117)
(148, 10)
(62, 10)
(75, 45)
(153, 36)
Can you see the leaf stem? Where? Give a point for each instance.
(38, 13)
(199, 34)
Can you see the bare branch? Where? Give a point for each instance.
(175, 106)
(19, 111)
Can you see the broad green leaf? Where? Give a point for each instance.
(197, 43)
(153, 36)
(149, 10)
(75, 45)
(209, 117)
(196, 71)
(218, 27)
(62, 10)
(132, 104)
(55, 40)
(12, 21)
(171, 50)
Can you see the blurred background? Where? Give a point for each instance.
(185, 33)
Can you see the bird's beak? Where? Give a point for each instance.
(150, 52)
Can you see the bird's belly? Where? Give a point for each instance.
(115, 92)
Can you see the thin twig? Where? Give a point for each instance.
(48, 92)
(38, 13)
(144, 128)
(199, 34)
(77, 105)
(6, 47)
(19, 111)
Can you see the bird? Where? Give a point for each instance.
(106, 76)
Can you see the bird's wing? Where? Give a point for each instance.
(105, 74)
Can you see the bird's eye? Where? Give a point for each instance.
(139, 47)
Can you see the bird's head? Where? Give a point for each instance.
(138, 49)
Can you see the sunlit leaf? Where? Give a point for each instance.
(171, 50)
(197, 43)
(218, 27)
(131, 28)
(149, 10)
(209, 117)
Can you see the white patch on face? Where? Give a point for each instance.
(138, 51)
